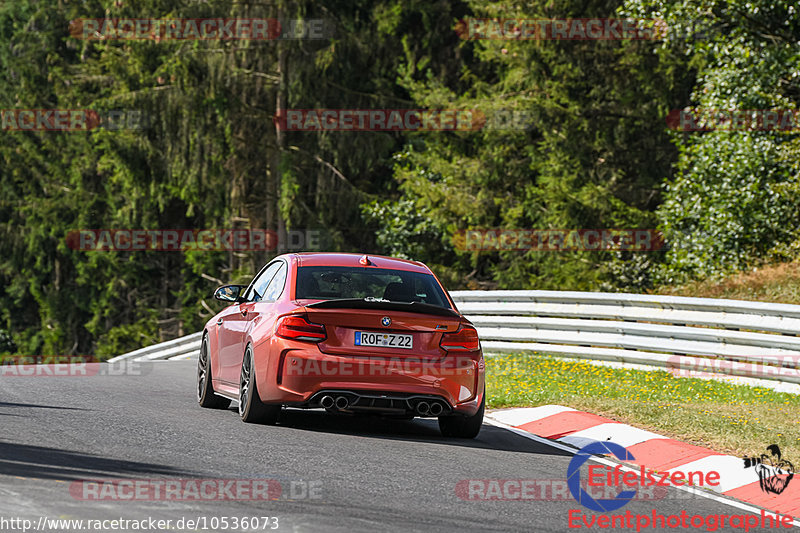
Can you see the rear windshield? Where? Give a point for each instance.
(328, 283)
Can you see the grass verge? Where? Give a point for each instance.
(779, 283)
(733, 419)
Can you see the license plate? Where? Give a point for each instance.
(388, 340)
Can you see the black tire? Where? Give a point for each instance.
(463, 427)
(251, 408)
(205, 388)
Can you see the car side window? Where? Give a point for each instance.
(259, 286)
(275, 287)
(425, 292)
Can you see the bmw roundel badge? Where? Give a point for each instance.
(386, 321)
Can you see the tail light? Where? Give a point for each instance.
(296, 327)
(465, 339)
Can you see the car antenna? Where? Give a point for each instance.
(365, 260)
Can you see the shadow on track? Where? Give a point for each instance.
(418, 430)
(37, 406)
(50, 463)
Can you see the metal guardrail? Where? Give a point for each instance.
(709, 336)
(733, 337)
(180, 348)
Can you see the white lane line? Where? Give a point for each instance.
(183, 357)
(607, 462)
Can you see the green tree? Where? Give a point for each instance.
(592, 157)
(733, 200)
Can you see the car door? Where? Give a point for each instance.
(232, 325)
(262, 308)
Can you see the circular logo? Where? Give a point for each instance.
(574, 477)
(386, 321)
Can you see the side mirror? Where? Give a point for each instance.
(230, 293)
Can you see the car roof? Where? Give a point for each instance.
(349, 259)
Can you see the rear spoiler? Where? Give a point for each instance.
(388, 305)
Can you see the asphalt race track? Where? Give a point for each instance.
(366, 474)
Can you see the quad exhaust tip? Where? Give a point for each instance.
(342, 402)
(327, 402)
(422, 408)
(429, 409)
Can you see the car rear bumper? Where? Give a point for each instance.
(299, 377)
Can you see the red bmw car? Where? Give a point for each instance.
(349, 333)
